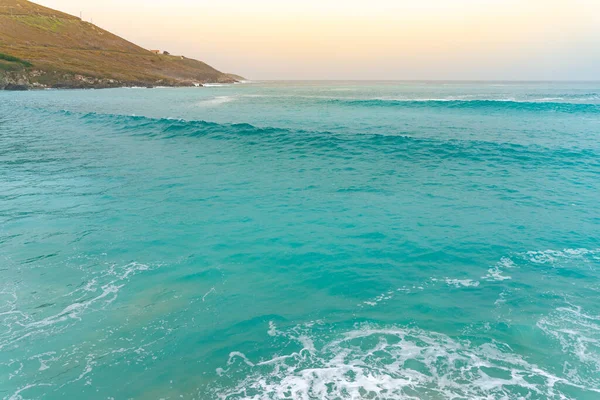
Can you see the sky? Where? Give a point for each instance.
(365, 39)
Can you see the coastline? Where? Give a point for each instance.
(23, 88)
(26, 83)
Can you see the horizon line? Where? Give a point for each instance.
(429, 80)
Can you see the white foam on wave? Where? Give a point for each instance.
(388, 295)
(449, 99)
(17, 395)
(545, 99)
(74, 311)
(378, 299)
(44, 359)
(75, 362)
(207, 293)
(272, 329)
(495, 273)
(388, 363)
(578, 334)
(8, 303)
(216, 101)
(96, 294)
(462, 282)
(554, 256)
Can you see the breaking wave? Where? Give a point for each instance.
(374, 362)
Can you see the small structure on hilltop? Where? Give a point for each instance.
(166, 53)
(155, 51)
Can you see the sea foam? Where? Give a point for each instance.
(371, 361)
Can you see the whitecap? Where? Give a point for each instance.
(272, 329)
(495, 273)
(216, 101)
(462, 282)
(389, 362)
(554, 256)
(378, 299)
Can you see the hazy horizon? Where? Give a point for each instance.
(467, 40)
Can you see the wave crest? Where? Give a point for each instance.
(487, 104)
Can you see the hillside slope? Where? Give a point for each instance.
(41, 47)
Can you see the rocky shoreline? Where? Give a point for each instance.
(39, 80)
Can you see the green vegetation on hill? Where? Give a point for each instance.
(6, 57)
(41, 47)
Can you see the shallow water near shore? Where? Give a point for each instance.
(301, 240)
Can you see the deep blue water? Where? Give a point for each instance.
(301, 240)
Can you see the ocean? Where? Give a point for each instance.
(301, 240)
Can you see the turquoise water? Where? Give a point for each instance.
(301, 240)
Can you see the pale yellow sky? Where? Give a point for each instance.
(374, 39)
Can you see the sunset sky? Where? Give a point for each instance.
(376, 39)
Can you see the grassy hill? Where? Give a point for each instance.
(41, 47)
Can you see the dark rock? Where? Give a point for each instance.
(16, 87)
